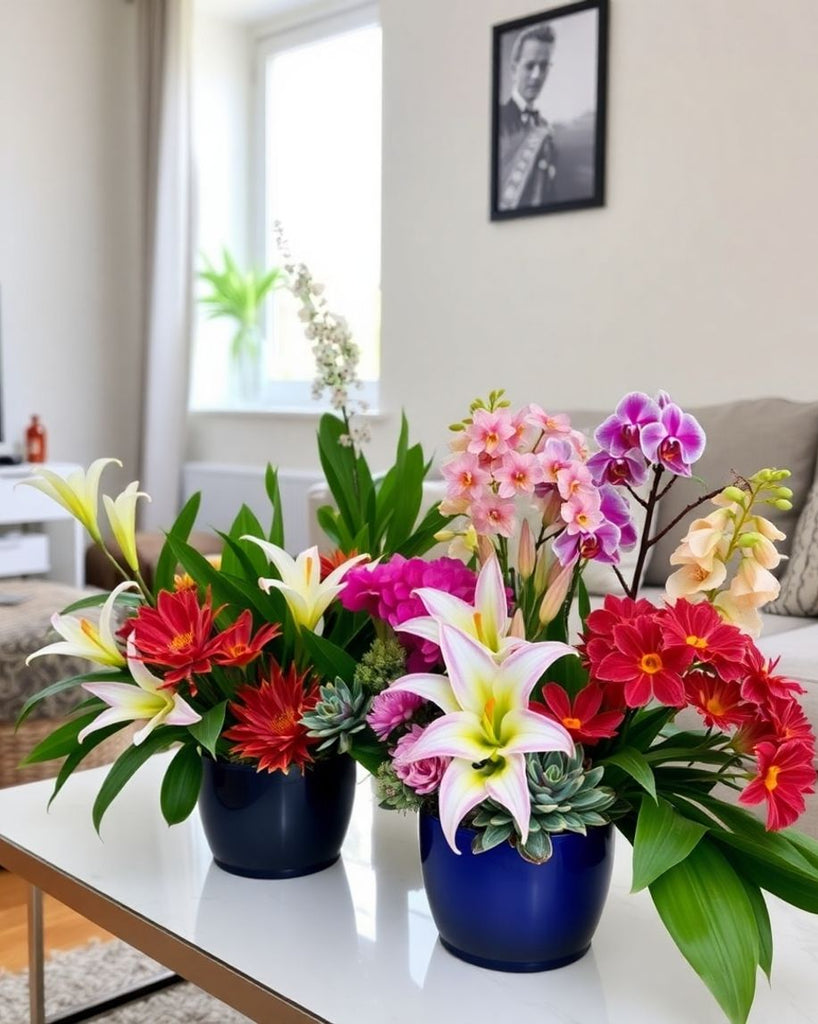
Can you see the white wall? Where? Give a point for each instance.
(69, 228)
(698, 275)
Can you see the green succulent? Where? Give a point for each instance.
(338, 715)
(564, 798)
(383, 663)
(393, 793)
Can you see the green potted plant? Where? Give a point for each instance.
(239, 295)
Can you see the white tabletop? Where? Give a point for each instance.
(355, 944)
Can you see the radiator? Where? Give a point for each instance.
(225, 488)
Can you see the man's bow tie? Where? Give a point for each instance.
(530, 114)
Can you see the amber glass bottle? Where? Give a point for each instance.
(35, 441)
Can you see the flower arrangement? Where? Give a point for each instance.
(487, 717)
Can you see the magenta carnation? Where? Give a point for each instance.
(390, 709)
(422, 776)
(387, 591)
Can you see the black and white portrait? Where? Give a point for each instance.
(548, 102)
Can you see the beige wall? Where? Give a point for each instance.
(698, 275)
(69, 228)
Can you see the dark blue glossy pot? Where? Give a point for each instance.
(496, 910)
(279, 824)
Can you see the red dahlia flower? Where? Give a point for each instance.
(177, 634)
(599, 625)
(785, 773)
(760, 683)
(582, 717)
(235, 645)
(790, 721)
(714, 641)
(646, 667)
(269, 726)
(717, 700)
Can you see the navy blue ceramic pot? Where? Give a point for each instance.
(497, 910)
(279, 824)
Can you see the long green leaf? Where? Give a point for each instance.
(206, 732)
(181, 784)
(127, 764)
(765, 933)
(276, 535)
(78, 755)
(663, 838)
(634, 764)
(166, 563)
(108, 676)
(62, 741)
(329, 661)
(705, 907)
(244, 524)
(338, 464)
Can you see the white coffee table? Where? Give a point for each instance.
(355, 944)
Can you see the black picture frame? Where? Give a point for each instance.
(549, 156)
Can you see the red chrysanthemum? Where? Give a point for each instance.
(760, 682)
(753, 732)
(268, 716)
(236, 647)
(717, 700)
(714, 641)
(582, 716)
(790, 721)
(647, 668)
(176, 634)
(599, 626)
(785, 774)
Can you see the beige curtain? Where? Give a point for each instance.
(164, 28)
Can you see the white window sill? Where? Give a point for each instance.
(282, 412)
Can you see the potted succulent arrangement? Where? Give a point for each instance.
(524, 753)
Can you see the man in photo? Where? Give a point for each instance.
(527, 154)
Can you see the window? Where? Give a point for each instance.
(321, 178)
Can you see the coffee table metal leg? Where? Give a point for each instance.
(36, 986)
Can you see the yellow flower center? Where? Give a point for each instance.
(714, 706)
(181, 640)
(283, 722)
(771, 778)
(699, 642)
(651, 663)
(571, 723)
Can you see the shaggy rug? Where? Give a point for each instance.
(80, 976)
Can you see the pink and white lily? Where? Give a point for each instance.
(487, 620)
(487, 727)
(84, 639)
(146, 700)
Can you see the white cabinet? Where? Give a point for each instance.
(37, 536)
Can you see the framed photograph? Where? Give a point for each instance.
(548, 111)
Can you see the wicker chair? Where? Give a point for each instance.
(25, 627)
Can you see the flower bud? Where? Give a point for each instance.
(485, 549)
(782, 505)
(540, 573)
(555, 594)
(517, 627)
(734, 494)
(526, 555)
(443, 535)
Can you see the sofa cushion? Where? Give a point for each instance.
(799, 583)
(742, 437)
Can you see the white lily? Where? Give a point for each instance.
(487, 620)
(78, 493)
(306, 594)
(146, 700)
(83, 639)
(487, 727)
(121, 513)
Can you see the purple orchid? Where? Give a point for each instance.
(616, 509)
(622, 431)
(600, 545)
(631, 469)
(675, 440)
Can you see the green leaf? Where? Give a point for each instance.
(339, 465)
(181, 784)
(207, 731)
(167, 561)
(633, 763)
(328, 660)
(128, 763)
(108, 676)
(78, 755)
(63, 740)
(245, 523)
(367, 750)
(276, 535)
(765, 934)
(663, 838)
(705, 907)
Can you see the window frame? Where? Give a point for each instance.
(293, 395)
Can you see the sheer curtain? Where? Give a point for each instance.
(164, 60)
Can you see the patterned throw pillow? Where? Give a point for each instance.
(799, 584)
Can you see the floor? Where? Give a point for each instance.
(64, 929)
